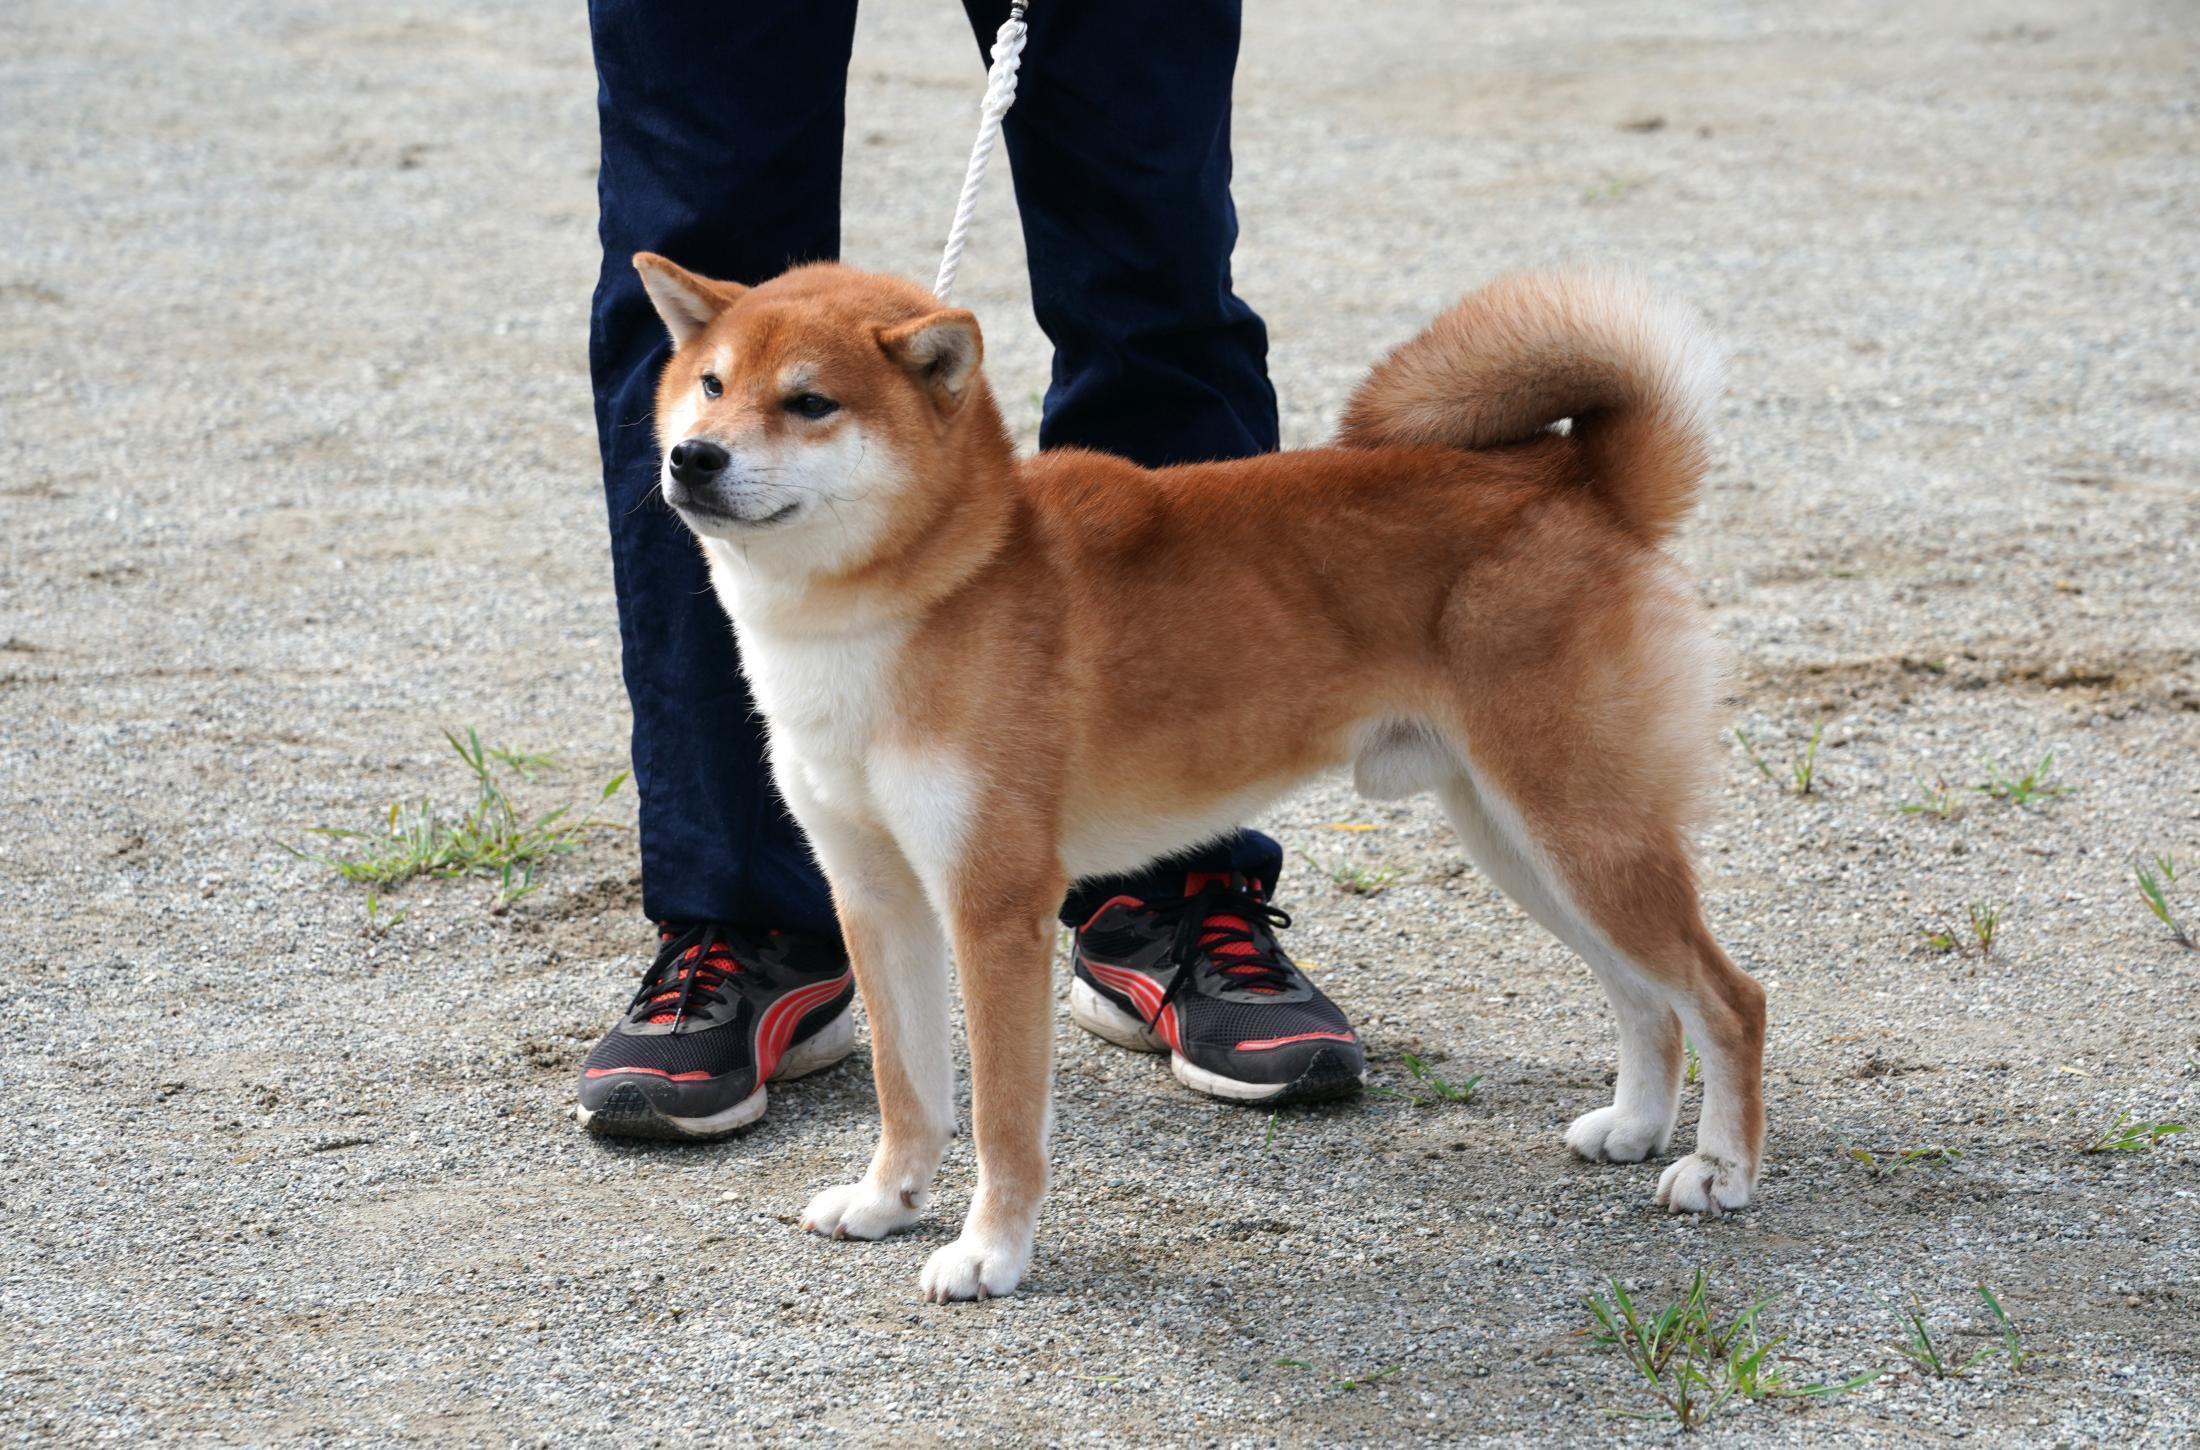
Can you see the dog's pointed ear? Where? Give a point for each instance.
(942, 350)
(686, 302)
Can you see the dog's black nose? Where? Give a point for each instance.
(697, 461)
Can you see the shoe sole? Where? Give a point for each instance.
(1327, 1076)
(628, 1113)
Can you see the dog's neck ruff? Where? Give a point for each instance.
(898, 582)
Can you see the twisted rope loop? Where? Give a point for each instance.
(1000, 94)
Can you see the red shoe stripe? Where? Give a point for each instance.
(1262, 1044)
(1111, 901)
(776, 1028)
(649, 1072)
(1145, 993)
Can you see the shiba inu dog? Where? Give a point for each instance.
(1456, 597)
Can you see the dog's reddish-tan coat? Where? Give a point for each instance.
(1092, 638)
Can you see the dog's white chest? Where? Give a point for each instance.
(827, 700)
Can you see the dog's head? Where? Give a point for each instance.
(815, 418)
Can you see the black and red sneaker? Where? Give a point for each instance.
(721, 1012)
(1200, 977)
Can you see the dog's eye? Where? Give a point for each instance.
(812, 405)
(711, 386)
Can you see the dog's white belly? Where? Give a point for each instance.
(1392, 757)
(1100, 841)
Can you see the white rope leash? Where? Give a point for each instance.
(1000, 94)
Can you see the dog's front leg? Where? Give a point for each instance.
(1004, 947)
(900, 958)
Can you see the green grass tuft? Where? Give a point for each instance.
(2154, 884)
(1802, 770)
(492, 838)
(1982, 924)
(1350, 879)
(1985, 921)
(1938, 800)
(2127, 1136)
(381, 923)
(1691, 1362)
(2021, 790)
(1926, 1356)
(1438, 1090)
(1338, 1382)
(1894, 1160)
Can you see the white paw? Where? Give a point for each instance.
(1613, 1135)
(1701, 1183)
(974, 1268)
(861, 1210)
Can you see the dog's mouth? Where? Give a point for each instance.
(689, 504)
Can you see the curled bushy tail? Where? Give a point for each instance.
(1636, 375)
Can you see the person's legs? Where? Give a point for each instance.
(1120, 143)
(721, 149)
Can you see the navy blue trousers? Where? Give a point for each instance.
(721, 149)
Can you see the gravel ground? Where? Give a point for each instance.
(297, 468)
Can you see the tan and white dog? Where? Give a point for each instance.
(1455, 598)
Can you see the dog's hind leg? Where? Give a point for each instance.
(1618, 887)
(1614, 882)
(1582, 722)
(1646, 1096)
